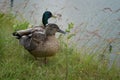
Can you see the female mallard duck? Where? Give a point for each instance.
(45, 42)
(41, 43)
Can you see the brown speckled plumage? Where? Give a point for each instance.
(40, 42)
(46, 48)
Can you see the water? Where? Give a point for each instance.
(97, 21)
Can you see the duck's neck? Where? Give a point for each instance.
(44, 21)
(52, 38)
(49, 33)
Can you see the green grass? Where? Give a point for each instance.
(68, 64)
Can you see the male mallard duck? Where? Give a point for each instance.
(41, 43)
(45, 17)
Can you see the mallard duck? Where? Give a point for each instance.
(46, 15)
(46, 43)
(41, 43)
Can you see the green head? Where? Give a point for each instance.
(46, 16)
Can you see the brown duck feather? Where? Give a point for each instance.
(40, 42)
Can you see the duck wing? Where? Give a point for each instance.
(31, 37)
(20, 33)
(32, 40)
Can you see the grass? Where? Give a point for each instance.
(68, 64)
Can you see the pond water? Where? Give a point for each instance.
(97, 21)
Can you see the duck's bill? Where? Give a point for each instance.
(61, 31)
(54, 16)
